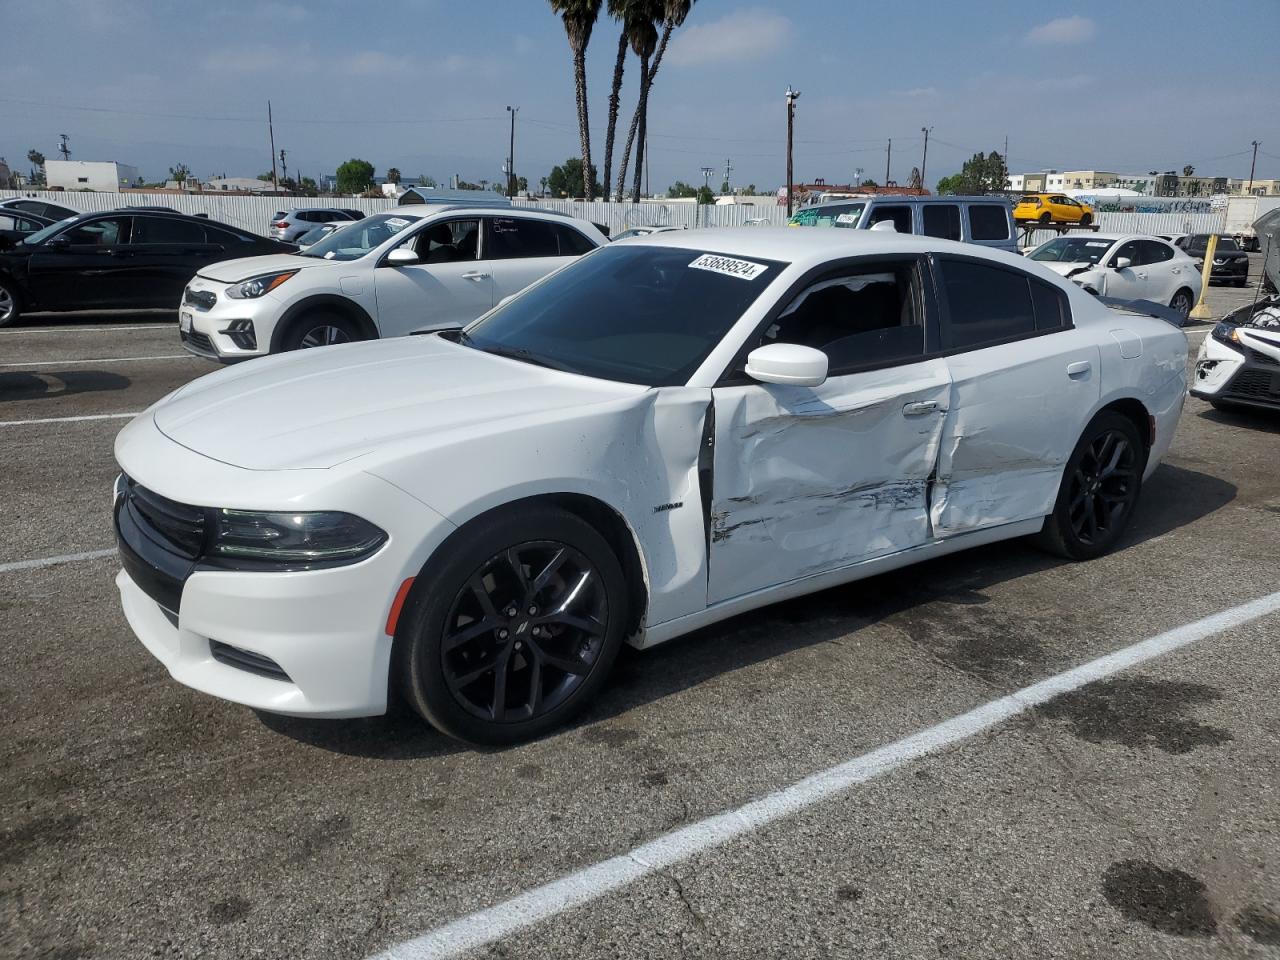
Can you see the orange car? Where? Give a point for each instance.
(1052, 208)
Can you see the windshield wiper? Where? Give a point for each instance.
(517, 353)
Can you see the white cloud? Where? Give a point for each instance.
(916, 92)
(741, 35)
(1062, 30)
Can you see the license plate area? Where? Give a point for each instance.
(184, 321)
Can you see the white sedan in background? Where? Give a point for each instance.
(318, 233)
(417, 268)
(666, 433)
(1125, 267)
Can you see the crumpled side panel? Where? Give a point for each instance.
(807, 480)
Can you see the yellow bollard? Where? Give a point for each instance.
(1201, 310)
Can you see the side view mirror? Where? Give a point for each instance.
(787, 363)
(401, 257)
(59, 243)
(1120, 263)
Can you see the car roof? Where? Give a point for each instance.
(906, 198)
(802, 246)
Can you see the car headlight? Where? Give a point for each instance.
(258, 286)
(292, 539)
(1226, 333)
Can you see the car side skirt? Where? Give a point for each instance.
(662, 632)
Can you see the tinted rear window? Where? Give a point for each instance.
(985, 305)
(941, 220)
(988, 221)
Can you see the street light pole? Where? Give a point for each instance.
(925, 159)
(792, 96)
(1252, 166)
(511, 154)
(888, 159)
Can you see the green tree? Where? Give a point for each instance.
(705, 196)
(393, 175)
(522, 184)
(307, 187)
(951, 184)
(1188, 171)
(981, 173)
(425, 181)
(566, 179)
(355, 176)
(179, 173)
(579, 17)
(637, 17)
(868, 182)
(673, 15)
(36, 159)
(680, 189)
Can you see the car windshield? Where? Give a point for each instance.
(836, 215)
(633, 312)
(1071, 250)
(354, 241)
(40, 236)
(314, 235)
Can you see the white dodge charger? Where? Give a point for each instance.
(662, 434)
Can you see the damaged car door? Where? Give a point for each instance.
(809, 479)
(1025, 383)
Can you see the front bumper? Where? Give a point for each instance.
(307, 642)
(217, 331)
(1243, 376)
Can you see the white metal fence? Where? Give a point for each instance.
(254, 213)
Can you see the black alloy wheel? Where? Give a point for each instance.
(1046, 217)
(512, 626)
(524, 632)
(1099, 490)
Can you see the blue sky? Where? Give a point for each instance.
(1129, 86)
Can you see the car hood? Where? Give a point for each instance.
(317, 408)
(233, 271)
(1066, 269)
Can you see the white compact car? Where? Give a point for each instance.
(415, 269)
(1125, 267)
(668, 432)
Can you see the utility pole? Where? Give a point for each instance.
(888, 159)
(647, 191)
(792, 97)
(706, 180)
(728, 169)
(271, 131)
(511, 154)
(66, 150)
(284, 167)
(1252, 166)
(924, 160)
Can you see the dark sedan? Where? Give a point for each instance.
(119, 259)
(16, 225)
(1230, 263)
(41, 208)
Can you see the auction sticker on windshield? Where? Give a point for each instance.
(742, 269)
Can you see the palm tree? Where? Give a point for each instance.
(631, 13)
(579, 18)
(393, 175)
(672, 13)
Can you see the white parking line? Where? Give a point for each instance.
(163, 325)
(95, 416)
(54, 561)
(591, 883)
(65, 363)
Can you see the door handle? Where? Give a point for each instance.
(1079, 369)
(919, 408)
(475, 275)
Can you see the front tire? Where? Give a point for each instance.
(1086, 219)
(320, 329)
(10, 304)
(1099, 491)
(1046, 217)
(514, 628)
(1181, 302)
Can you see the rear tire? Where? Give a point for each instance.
(513, 627)
(1086, 219)
(1100, 488)
(1181, 302)
(1046, 217)
(320, 329)
(10, 303)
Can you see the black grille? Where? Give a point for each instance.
(200, 299)
(1254, 385)
(247, 660)
(198, 342)
(1256, 357)
(177, 526)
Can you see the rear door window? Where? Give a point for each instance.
(165, 230)
(988, 221)
(511, 238)
(986, 305)
(941, 220)
(572, 243)
(1051, 307)
(898, 213)
(1153, 252)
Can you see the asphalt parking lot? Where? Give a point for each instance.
(1136, 816)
